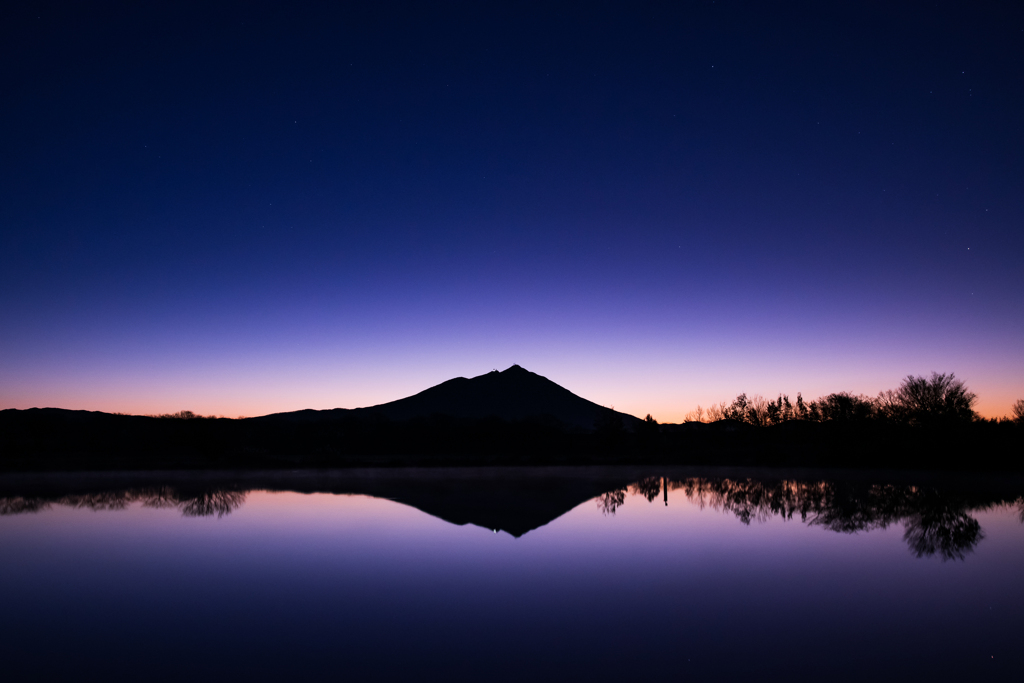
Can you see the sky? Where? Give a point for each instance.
(239, 209)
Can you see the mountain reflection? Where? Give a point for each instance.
(937, 519)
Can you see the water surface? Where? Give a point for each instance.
(506, 574)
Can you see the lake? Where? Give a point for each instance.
(511, 574)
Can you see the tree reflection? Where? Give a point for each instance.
(609, 502)
(210, 503)
(649, 488)
(935, 523)
(949, 533)
(192, 504)
(16, 505)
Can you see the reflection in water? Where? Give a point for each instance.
(609, 502)
(936, 522)
(191, 503)
(649, 488)
(212, 502)
(338, 584)
(950, 533)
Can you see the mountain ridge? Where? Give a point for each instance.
(513, 395)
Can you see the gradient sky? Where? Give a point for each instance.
(244, 209)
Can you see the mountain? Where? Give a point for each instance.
(516, 414)
(513, 394)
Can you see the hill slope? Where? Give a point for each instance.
(514, 394)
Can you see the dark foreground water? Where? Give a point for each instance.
(547, 574)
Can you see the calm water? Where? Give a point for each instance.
(510, 575)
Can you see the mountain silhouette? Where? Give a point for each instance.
(513, 417)
(514, 394)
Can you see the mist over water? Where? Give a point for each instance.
(497, 574)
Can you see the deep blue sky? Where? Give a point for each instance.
(250, 208)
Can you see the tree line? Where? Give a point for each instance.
(941, 399)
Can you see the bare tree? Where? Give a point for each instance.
(718, 412)
(890, 406)
(940, 399)
(757, 410)
(845, 407)
(696, 415)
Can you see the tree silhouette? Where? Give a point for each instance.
(646, 428)
(845, 407)
(942, 399)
